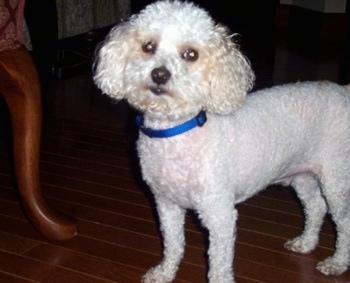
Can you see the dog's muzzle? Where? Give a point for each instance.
(157, 90)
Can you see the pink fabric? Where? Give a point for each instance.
(11, 22)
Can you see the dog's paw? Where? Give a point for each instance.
(301, 244)
(155, 275)
(330, 266)
(226, 278)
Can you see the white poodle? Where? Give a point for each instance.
(204, 145)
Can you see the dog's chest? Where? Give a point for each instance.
(174, 168)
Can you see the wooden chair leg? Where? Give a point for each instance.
(19, 85)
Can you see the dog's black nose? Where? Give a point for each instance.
(160, 75)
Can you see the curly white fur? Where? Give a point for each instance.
(297, 134)
(174, 28)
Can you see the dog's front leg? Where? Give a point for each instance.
(220, 219)
(172, 218)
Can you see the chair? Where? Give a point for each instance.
(20, 87)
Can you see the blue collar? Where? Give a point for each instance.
(197, 121)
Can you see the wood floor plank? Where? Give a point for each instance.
(11, 278)
(42, 272)
(84, 263)
(123, 165)
(111, 188)
(103, 203)
(15, 244)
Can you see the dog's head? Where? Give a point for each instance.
(172, 60)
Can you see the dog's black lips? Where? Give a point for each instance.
(157, 90)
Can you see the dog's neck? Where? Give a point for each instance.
(173, 130)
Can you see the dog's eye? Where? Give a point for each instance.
(149, 47)
(190, 55)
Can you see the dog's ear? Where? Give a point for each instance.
(231, 75)
(110, 60)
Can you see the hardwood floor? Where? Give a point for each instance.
(89, 170)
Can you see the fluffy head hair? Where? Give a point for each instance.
(204, 69)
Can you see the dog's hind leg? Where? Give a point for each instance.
(172, 218)
(309, 192)
(337, 194)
